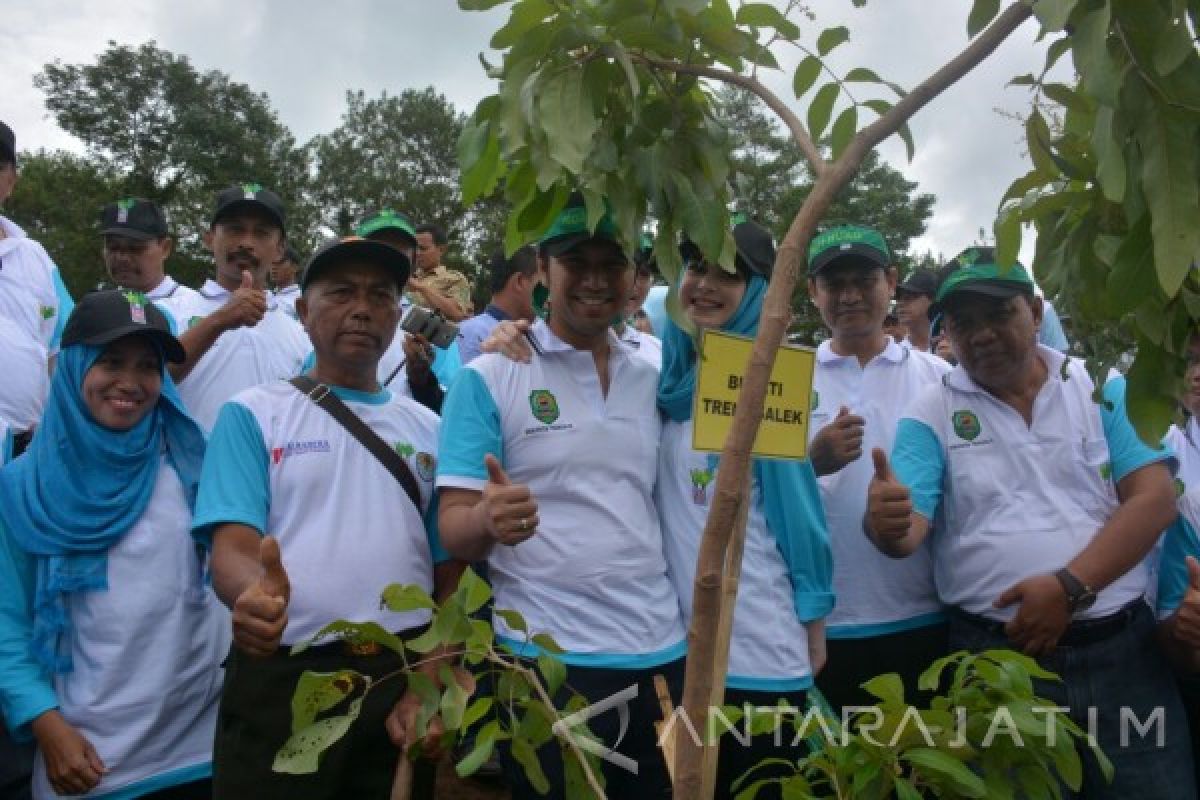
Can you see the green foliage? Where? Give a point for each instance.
(985, 731)
(523, 706)
(1114, 193)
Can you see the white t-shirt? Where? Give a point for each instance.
(876, 595)
(346, 528)
(34, 306)
(644, 345)
(594, 575)
(769, 646)
(239, 359)
(1186, 446)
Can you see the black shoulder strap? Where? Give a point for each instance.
(320, 394)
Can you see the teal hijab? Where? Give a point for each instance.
(80, 487)
(791, 497)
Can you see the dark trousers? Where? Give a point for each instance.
(255, 720)
(1120, 677)
(1189, 689)
(16, 766)
(196, 790)
(852, 662)
(738, 756)
(638, 742)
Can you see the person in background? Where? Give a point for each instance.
(34, 306)
(137, 244)
(511, 281)
(645, 344)
(110, 640)
(434, 285)
(284, 274)
(892, 326)
(914, 295)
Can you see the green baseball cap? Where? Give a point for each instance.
(570, 228)
(975, 270)
(386, 219)
(856, 242)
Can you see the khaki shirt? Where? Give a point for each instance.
(448, 283)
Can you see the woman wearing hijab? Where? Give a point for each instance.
(778, 640)
(110, 641)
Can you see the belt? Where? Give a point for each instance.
(1079, 633)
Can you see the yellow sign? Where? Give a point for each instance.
(783, 432)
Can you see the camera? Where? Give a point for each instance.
(440, 331)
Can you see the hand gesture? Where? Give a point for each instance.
(72, 764)
(260, 612)
(246, 307)
(510, 512)
(418, 358)
(889, 506)
(508, 339)
(1043, 615)
(837, 444)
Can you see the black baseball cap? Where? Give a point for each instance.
(920, 281)
(133, 217)
(8, 143)
(754, 248)
(249, 195)
(357, 248)
(105, 316)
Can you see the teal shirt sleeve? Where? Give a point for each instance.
(1127, 452)
(470, 428)
(65, 306)
(432, 532)
(1051, 331)
(920, 464)
(447, 363)
(796, 519)
(1179, 542)
(26, 690)
(172, 323)
(234, 483)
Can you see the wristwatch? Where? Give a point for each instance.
(1080, 596)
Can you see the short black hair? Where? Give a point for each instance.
(499, 269)
(436, 231)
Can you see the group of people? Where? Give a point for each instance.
(210, 476)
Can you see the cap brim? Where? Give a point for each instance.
(856, 253)
(561, 244)
(1003, 289)
(367, 231)
(131, 233)
(914, 289)
(172, 350)
(243, 205)
(368, 250)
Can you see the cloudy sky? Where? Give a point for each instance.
(304, 54)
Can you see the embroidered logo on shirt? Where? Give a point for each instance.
(48, 311)
(137, 306)
(299, 448)
(816, 400)
(701, 478)
(544, 406)
(1180, 487)
(194, 321)
(426, 465)
(966, 425)
(404, 449)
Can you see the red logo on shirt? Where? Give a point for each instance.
(277, 455)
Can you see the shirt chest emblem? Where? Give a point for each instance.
(544, 406)
(299, 448)
(966, 425)
(701, 478)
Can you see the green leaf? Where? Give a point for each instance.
(566, 112)
(1024, 80)
(512, 619)
(1169, 172)
(843, 131)
(906, 134)
(862, 75)
(888, 688)
(1173, 45)
(1007, 230)
(480, 5)
(321, 691)
(475, 591)
(477, 711)
(1110, 161)
(1100, 74)
(526, 15)
(831, 38)
(454, 700)
(964, 781)
(1067, 97)
(764, 15)
(301, 753)
(485, 742)
(1037, 136)
(547, 643)
(406, 597)
(1053, 14)
(905, 790)
(553, 672)
(525, 755)
(806, 75)
(821, 109)
(356, 633)
(1055, 51)
(880, 107)
(1132, 275)
(982, 13)
(1149, 399)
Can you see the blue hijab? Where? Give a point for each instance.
(791, 497)
(80, 487)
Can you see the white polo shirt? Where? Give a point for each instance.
(1185, 444)
(1018, 500)
(287, 297)
(244, 357)
(644, 345)
(876, 595)
(168, 287)
(594, 575)
(346, 528)
(1169, 563)
(34, 306)
(768, 650)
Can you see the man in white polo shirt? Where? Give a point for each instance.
(234, 331)
(1047, 504)
(887, 615)
(34, 306)
(136, 247)
(308, 526)
(563, 511)
(284, 274)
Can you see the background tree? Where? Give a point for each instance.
(58, 200)
(177, 136)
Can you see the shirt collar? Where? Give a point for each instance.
(549, 342)
(164, 289)
(1055, 362)
(215, 291)
(893, 351)
(11, 228)
(499, 314)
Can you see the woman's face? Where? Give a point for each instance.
(709, 294)
(124, 383)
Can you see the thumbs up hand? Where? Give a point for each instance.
(889, 506)
(260, 612)
(245, 307)
(509, 509)
(1187, 616)
(837, 444)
